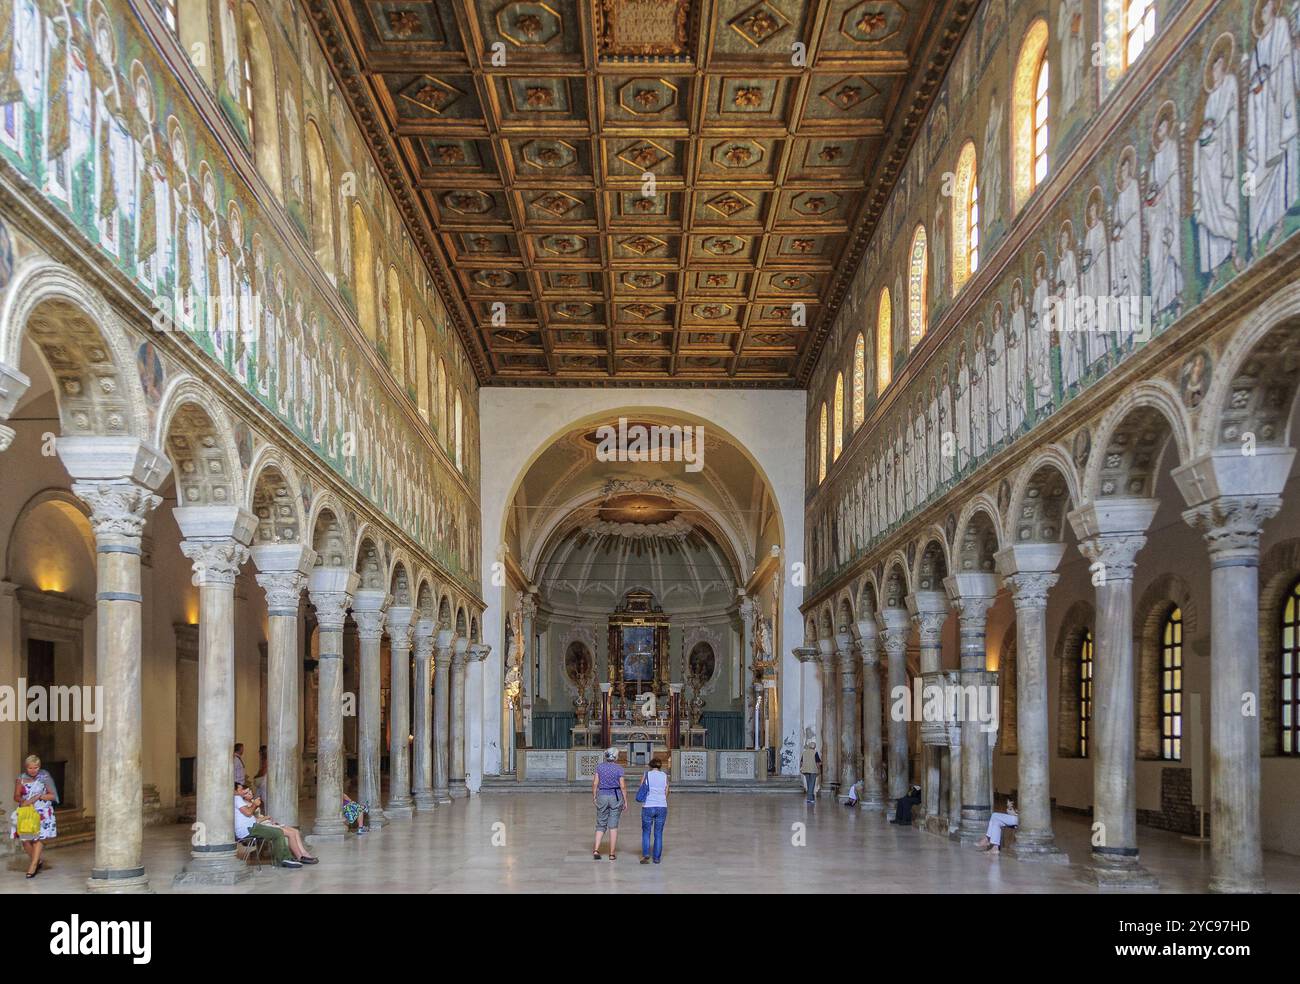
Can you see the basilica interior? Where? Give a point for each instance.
(882, 404)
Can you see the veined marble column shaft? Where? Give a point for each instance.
(456, 741)
(422, 778)
(849, 720)
(332, 603)
(830, 746)
(1231, 526)
(873, 774)
(441, 716)
(748, 612)
(972, 596)
(118, 512)
(930, 611)
(894, 624)
(368, 609)
(1110, 536)
(283, 664)
(216, 565)
(399, 803)
(1029, 588)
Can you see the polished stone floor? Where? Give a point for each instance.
(713, 843)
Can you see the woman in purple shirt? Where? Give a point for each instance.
(609, 791)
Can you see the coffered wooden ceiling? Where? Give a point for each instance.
(520, 138)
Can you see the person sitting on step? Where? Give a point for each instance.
(287, 848)
(991, 842)
(356, 814)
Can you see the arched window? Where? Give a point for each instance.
(1085, 692)
(393, 342)
(1030, 115)
(460, 447)
(837, 438)
(965, 219)
(189, 21)
(859, 381)
(884, 342)
(918, 277)
(1171, 686)
(1139, 28)
(363, 277)
(322, 198)
(1290, 675)
(1127, 28)
(171, 16)
(260, 100)
(422, 368)
(821, 447)
(440, 405)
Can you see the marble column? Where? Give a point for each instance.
(830, 744)
(1110, 535)
(1231, 497)
(442, 715)
(368, 608)
(13, 384)
(894, 624)
(456, 741)
(972, 595)
(215, 541)
(331, 590)
(747, 612)
(873, 773)
(956, 765)
(808, 655)
(929, 611)
(399, 627)
(118, 512)
(475, 658)
(422, 778)
(1029, 573)
(849, 719)
(528, 606)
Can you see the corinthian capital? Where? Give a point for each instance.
(1115, 552)
(370, 624)
(1029, 590)
(283, 589)
(425, 634)
(930, 624)
(215, 561)
(117, 508)
(331, 609)
(1231, 524)
(400, 627)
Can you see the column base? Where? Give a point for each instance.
(1122, 873)
(872, 806)
(424, 800)
(936, 823)
(378, 818)
(400, 809)
(442, 796)
(971, 829)
(1038, 849)
(459, 791)
(220, 869)
(118, 882)
(1238, 886)
(328, 830)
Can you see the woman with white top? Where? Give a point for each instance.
(654, 811)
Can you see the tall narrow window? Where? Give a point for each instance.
(965, 219)
(837, 438)
(1139, 28)
(1171, 686)
(421, 361)
(859, 381)
(884, 342)
(250, 110)
(460, 443)
(440, 404)
(363, 275)
(821, 447)
(918, 279)
(1030, 115)
(1085, 692)
(1291, 672)
(322, 201)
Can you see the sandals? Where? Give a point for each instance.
(645, 860)
(595, 855)
(613, 857)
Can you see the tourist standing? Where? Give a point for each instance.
(654, 812)
(241, 774)
(609, 792)
(809, 766)
(34, 790)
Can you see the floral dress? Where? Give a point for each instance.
(44, 808)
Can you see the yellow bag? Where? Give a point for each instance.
(29, 821)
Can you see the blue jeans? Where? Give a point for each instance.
(811, 779)
(653, 816)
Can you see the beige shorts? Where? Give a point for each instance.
(609, 809)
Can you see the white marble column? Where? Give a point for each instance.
(849, 720)
(368, 608)
(118, 512)
(972, 595)
(215, 541)
(1110, 535)
(808, 655)
(830, 688)
(747, 612)
(456, 787)
(331, 590)
(894, 624)
(475, 658)
(1029, 573)
(873, 773)
(13, 384)
(400, 804)
(1231, 497)
(442, 716)
(528, 606)
(929, 611)
(282, 574)
(422, 778)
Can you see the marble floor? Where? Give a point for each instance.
(732, 843)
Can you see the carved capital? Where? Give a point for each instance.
(478, 652)
(425, 633)
(6, 437)
(1029, 590)
(331, 609)
(215, 562)
(1115, 552)
(401, 629)
(1231, 524)
(972, 610)
(807, 654)
(370, 624)
(117, 509)
(283, 589)
(930, 626)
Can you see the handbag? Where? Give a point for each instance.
(644, 791)
(29, 821)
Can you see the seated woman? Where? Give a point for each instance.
(356, 813)
(287, 848)
(991, 842)
(903, 808)
(35, 788)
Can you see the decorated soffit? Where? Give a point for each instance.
(641, 191)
